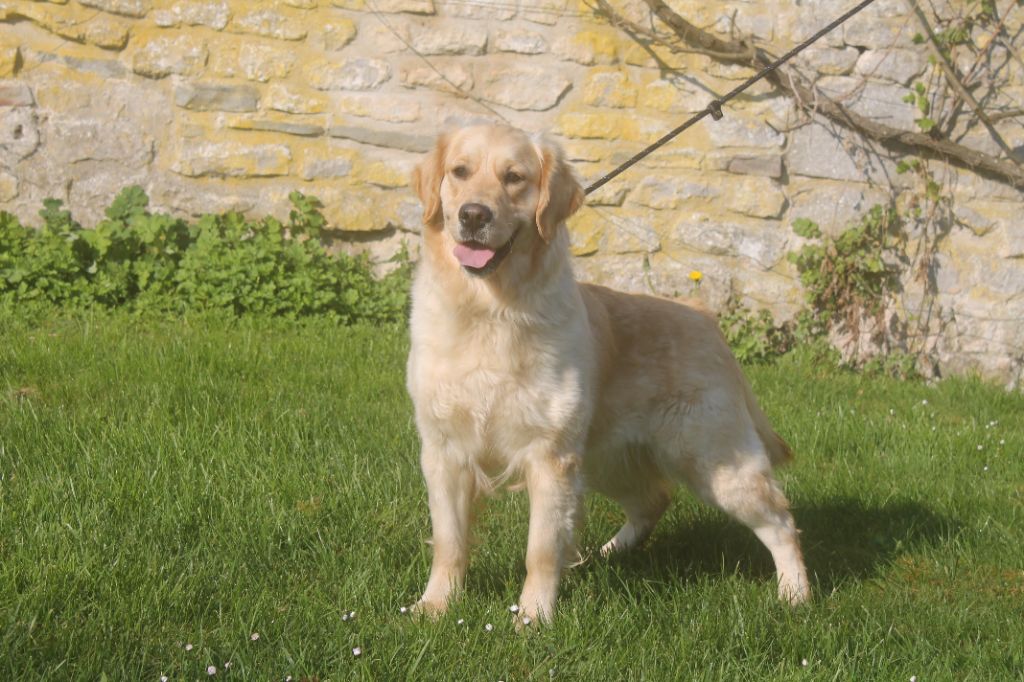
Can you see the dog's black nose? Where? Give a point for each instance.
(474, 216)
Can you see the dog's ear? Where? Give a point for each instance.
(426, 179)
(561, 194)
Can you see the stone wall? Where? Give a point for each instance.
(223, 104)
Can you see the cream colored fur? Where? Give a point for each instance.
(525, 376)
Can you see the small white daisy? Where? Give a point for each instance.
(527, 620)
(979, 447)
(404, 610)
(460, 621)
(803, 662)
(227, 665)
(357, 651)
(913, 678)
(925, 401)
(351, 615)
(211, 670)
(163, 678)
(514, 608)
(188, 647)
(985, 468)
(488, 627)
(1002, 441)
(254, 636)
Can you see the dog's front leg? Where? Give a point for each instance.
(555, 485)
(451, 490)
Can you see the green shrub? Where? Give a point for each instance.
(145, 261)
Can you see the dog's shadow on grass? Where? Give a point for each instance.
(843, 539)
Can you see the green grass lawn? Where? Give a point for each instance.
(170, 489)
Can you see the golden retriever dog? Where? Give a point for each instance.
(521, 375)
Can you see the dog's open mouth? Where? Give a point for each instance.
(481, 260)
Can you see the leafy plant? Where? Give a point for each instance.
(147, 261)
(753, 337)
(918, 96)
(847, 275)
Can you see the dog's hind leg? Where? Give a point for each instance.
(749, 493)
(643, 508)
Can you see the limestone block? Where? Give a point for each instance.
(275, 126)
(762, 242)
(334, 164)
(270, 24)
(486, 11)
(15, 94)
(524, 88)
(519, 42)
(8, 187)
(448, 39)
(130, 8)
(293, 100)
(181, 55)
(881, 102)
(630, 232)
(10, 61)
(834, 206)
(108, 68)
(676, 96)
(741, 132)
(893, 64)
(625, 273)
(587, 47)
(302, 4)
(670, 276)
(384, 175)
(231, 159)
(338, 33)
(766, 165)
(358, 73)
(877, 34)
(388, 39)
(263, 63)
(381, 138)
(106, 32)
(670, 192)
(833, 153)
(544, 11)
(758, 197)
(206, 97)
(607, 126)
(399, 110)
(210, 13)
(828, 61)
(586, 232)
(451, 76)
(390, 6)
(610, 89)
(19, 134)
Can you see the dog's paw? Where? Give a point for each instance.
(428, 609)
(794, 593)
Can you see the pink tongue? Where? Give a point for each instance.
(473, 256)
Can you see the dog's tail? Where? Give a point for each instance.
(779, 452)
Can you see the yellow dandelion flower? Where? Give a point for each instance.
(696, 276)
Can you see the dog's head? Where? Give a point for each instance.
(493, 191)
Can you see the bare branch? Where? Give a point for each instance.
(742, 53)
(954, 81)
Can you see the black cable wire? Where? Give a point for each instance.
(714, 108)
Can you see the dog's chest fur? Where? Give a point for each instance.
(492, 387)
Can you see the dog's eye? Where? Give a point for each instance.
(512, 178)
(461, 172)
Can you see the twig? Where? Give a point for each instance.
(954, 81)
(741, 53)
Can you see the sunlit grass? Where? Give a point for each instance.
(165, 484)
